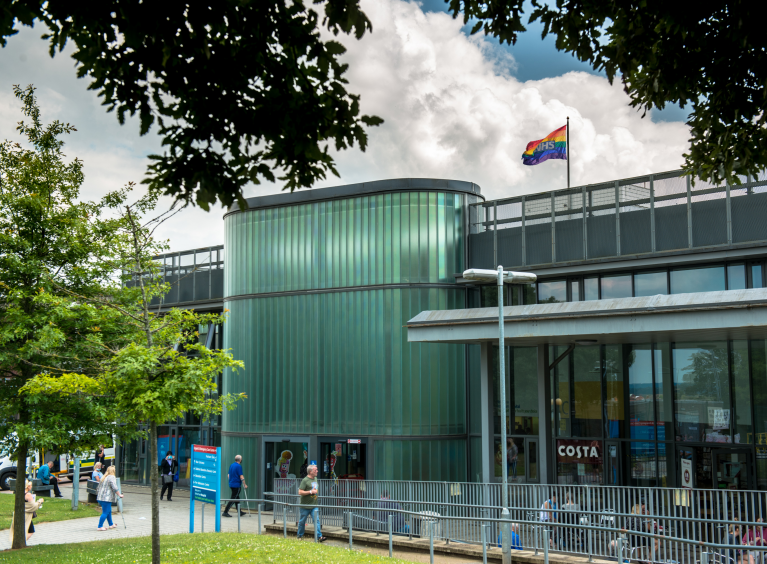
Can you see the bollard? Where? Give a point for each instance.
(351, 518)
(484, 544)
(506, 537)
(391, 551)
(260, 505)
(703, 556)
(431, 542)
(202, 518)
(315, 520)
(238, 519)
(284, 525)
(76, 484)
(545, 545)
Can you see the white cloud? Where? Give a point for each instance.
(452, 110)
(451, 106)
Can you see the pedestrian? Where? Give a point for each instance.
(48, 479)
(753, 536)
(31, 505)
(308, 492)
(167, 471)
(106, 496)
(733, 539)
(236, 481)
(397, 518)
(101, 456)
(550, 516)
(97, 474)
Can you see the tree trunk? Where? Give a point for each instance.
(155, 493)
(19, 532)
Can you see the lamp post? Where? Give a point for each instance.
(502, 277)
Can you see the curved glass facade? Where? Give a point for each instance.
(318, 294)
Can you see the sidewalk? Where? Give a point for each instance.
(174, 518)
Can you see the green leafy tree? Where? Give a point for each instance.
(164, 371)
(51, 245)
(237, 88)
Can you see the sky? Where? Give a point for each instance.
(454, 106)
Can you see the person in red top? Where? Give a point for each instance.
(754, 536)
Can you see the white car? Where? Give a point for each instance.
(7, 472)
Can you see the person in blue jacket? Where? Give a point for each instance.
(515, 542)
(45, 476)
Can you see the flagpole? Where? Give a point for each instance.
(568, 151)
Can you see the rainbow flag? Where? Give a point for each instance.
(553, 146)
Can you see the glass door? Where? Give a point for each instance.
(284, 459)
(613, 468)
(732, 469)
(343, 460)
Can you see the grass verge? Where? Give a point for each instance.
(53, 510)
(202, 548)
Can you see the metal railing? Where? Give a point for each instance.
(593, 521)
(644, 215)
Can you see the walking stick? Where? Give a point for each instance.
(120, 502)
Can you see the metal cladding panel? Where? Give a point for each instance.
(671, 227)
(509, 247)
(601, 235)
(636, 236)
(749, 211)
(569, 242)
(709, 222)
(339, 362)
(424, 460)
(538, 243)
(250, 450)
(201, 285)
(481, 250)
(409, 237)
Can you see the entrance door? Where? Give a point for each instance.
(613, 468)
(284, 459)
(343, 459)
(732, 469)
(522, 460)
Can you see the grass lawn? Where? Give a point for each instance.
(199, 548)
(53, 510)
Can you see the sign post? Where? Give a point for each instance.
(206, 481)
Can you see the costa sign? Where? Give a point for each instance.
(580, 452)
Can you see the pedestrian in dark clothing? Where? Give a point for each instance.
(167, 471)
(45, 476)
(101, 456)
(397, 519)
(236, 481)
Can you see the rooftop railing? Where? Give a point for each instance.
(643, 216)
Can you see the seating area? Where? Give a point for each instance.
(37, 486)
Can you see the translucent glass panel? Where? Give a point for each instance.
(249, 449)
(586, 410)
(615, 400)
(641, 406)
(339, 362)
(552, 292)
(741, 391)
(618, 286)
(383, 239)
(702, 385)
(429, 460)
(650, 283)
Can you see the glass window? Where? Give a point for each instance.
(756, 275)
(702, 385)
(492, 366)
(650, 284)
(524, 385)
(615, 400)
(586, 411)
(664, 391)
(561, 392)
(590, 289)
(616, 286)
(579, 462)
(528, 294)
(641, 408)
(553, 292)
(642, 464)
(741, 405)
(697, 280)
(575, 290)
(489, 295)
(759, 375)
(736, 276)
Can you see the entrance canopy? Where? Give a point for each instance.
(733, 314)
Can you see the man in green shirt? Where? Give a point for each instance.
(307, 489)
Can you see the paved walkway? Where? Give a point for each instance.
(174, 518)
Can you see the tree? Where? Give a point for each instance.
(164, 372)
(237, 88)
(51, 245)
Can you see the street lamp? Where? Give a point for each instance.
(500, 277)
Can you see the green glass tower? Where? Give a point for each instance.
(318, 287)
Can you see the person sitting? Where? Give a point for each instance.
(641, 524)
(754, 536)
(733, 539)
(397, 520)
(48, 479)
(515, 542)
(97, 474)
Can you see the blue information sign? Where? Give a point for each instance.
(205, 481)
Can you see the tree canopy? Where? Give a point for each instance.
(241, 88)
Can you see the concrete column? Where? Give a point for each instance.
(485, 390)
(545, 465)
